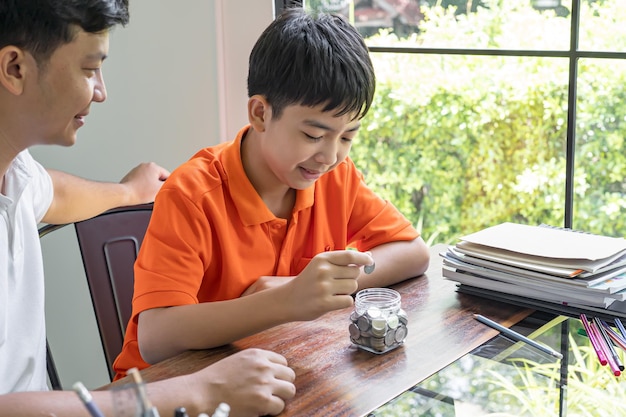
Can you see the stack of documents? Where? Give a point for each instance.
(542, 267)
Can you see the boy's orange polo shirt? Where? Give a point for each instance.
(211, 236)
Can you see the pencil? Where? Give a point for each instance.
(87, 399)
(517, 337)
(594, 341)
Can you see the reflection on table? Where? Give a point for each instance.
(503, 378)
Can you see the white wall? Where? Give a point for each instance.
(176, 83)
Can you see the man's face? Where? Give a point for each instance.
(65, 87)
(305, 143)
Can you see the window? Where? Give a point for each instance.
(492, 111)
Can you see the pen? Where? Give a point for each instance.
(594, 341)
(620, 326)
(181, 412)
(605, 347)
(617, 338)
(87, 399)
(516, 336)
(148, 409)
(609, 344)
(222, 410)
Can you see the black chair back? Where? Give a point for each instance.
(109, 244)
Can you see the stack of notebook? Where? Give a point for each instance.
(542, 267)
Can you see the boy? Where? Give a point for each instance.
(252, 233)
(51, 54)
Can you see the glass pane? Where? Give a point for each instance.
(600, 173)
(460, 143)
(528, 24)
(602, 26)
(512, 379)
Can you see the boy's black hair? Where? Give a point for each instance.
(311, 59)
(42, 26)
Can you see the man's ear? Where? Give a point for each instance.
(13, 69)
(259, 112)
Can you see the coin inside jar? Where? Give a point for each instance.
(400, 334)
(355, 333)
(379, 326)
(393, 321)
(373, 312)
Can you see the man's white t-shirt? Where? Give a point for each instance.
(25, 198)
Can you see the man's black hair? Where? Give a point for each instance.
(41, 26)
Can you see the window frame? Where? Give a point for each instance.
(573, 54)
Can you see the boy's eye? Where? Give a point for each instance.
(313, 137)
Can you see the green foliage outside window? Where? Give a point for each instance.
(461, 142)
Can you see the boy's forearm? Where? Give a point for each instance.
(208, 325)
(395, 262)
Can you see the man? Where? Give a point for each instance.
(51, 55)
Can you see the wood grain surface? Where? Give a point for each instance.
(335, 378)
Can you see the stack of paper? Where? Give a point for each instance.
(566, 270)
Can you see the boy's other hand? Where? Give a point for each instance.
(326, 283)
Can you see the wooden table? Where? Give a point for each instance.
(334, 377)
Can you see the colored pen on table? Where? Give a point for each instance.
(606, 348)
(517, 337)
(87, 399)
(609, 344)
(617, 338)
(620, 326)
(594, 341)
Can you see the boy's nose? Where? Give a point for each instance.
(328, 154)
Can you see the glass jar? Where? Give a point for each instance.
(378, 324)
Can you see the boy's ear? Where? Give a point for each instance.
(259, 112)
(13, 69)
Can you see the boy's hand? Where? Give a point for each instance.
(326, 283)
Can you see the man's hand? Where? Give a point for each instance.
(144, 181)
(252, 382)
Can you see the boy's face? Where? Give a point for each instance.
(305, 143)
(65, 87)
